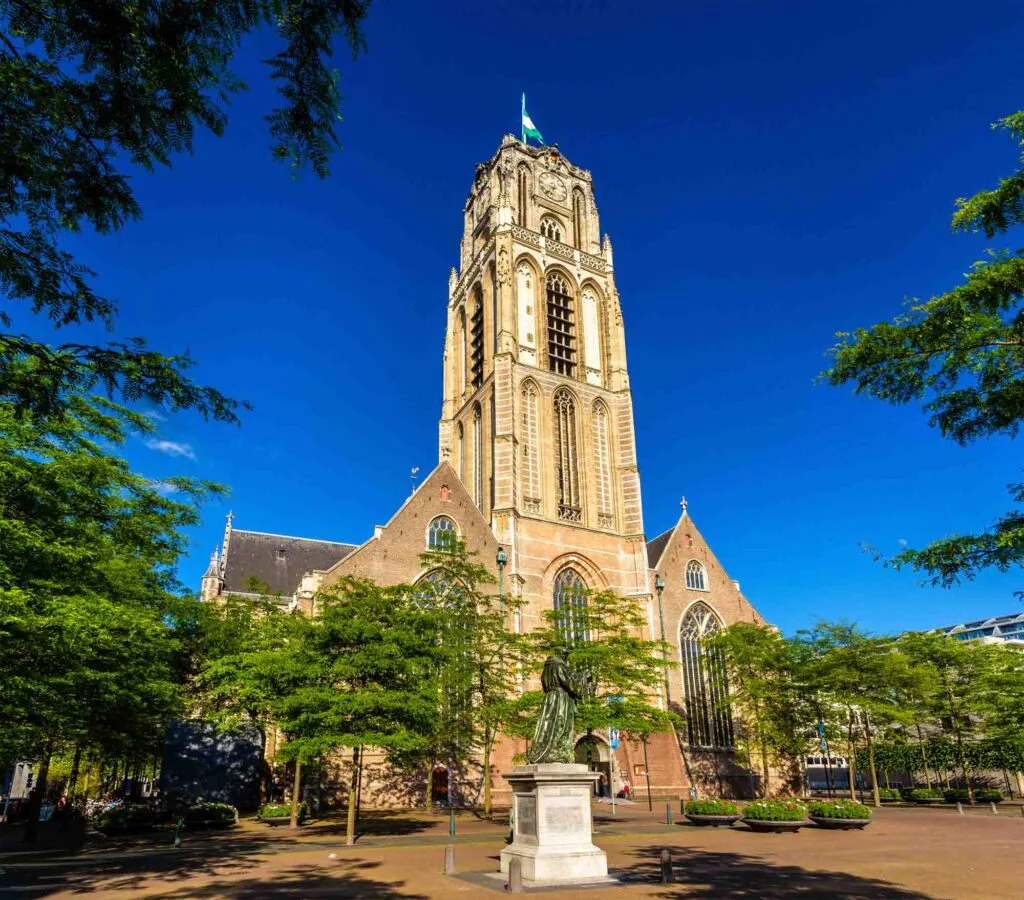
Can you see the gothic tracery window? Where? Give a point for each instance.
(530, 447)
(705, 683)
(570, 600)
(550, 228)
(478, 458)
(524, 175)
(578, 222)
(561, 326)
(602, 461)
(695, 576)
(442, 534)
(566, 463)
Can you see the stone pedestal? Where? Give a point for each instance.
(552, 833)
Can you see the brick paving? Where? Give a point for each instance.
(906, 854)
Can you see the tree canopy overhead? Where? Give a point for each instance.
(960, 355)
(90, 88)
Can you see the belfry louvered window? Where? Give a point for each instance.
(476, 340)
(561, 326)
(705, 683)
(478, 457)
(566, 461)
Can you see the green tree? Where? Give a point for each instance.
(765, 693)
(88, 597)
(89, 91)
(484, 658)
(362, 673)
(961, 356)
(605, 636)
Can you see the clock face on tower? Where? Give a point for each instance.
(551, 186)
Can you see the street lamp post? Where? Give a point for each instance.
(502, 560)
(659, 586)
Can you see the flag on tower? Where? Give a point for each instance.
(529, 129)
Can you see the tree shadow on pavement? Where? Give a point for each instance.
(701, 874)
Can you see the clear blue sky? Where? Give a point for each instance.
(768, 173)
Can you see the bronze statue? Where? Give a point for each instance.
(563, 688)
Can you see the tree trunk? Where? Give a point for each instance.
(296, 795)
(73, 779)
(764, 756)
(924, 756)
(35, 798)
(428, 794)
(851, 760)
(488, 740)
(871, 761)
(350, 828)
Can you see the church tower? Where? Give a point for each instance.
(537, 418)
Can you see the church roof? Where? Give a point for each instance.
(656, 546)
(277, 560)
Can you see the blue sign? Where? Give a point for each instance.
(613, 738)
(824, 746)
(821, 730)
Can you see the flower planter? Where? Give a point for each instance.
(713, 821)
(277, 820)
(840, 824)
(778, 826)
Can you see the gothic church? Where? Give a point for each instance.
(537, 456)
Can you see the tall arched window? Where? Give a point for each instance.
(478, 457)
(476, 339)
(550, 228)
(530, 443)
(603, 465)
(524, 175)
(570, 600)
(705, 684)
(561, 326)
(463, 359)
(442, 534)
(462, 453)
(695, 576)
(566, 464)
(578, 222)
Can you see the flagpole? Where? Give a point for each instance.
(522, 117)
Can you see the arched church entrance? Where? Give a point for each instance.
(439, 784)
(593, 752)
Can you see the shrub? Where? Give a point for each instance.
(775, 811)
(925, 794)
(888, 794)
(711, 808)
(839, 809)
(274, 810)
(217, 815)
(982, 795)
(132, 818)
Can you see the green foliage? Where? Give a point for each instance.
(924, 794)
(838, 809)
(710, 807)
(278, 810)
(889, 793)
(211, 815)
(89, 91)
(775, 811)
(961, 356)
(122, 820)
(981, 795)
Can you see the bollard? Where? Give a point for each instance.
(959, 807)
(682, 807)
(449, 860)
(666, 867)
(668, 814)
(995, 811)
(451, 823)
(515, 876)
(177, 833)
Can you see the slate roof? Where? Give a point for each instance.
(656, 546)
(276, 559)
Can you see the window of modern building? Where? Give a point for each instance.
(570, 600)
(561, 326)
(441, 534)
(567, 482)
(695, 576)
(705, 684)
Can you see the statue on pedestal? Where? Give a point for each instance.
(563, 688)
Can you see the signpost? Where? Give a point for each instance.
(613, 743)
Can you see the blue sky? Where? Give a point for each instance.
(769, 174)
